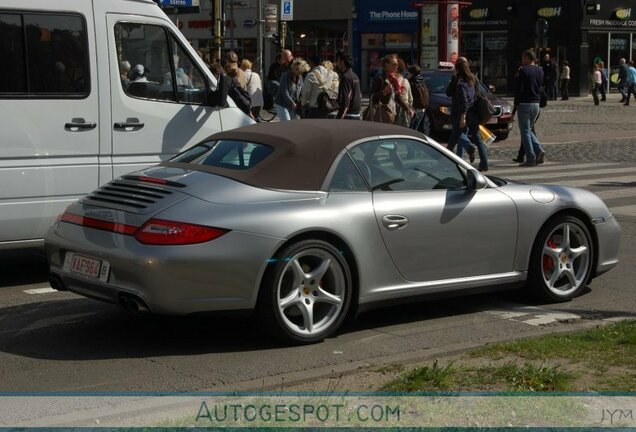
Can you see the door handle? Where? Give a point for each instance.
(128, 126)
(394, 222)
(78, 124)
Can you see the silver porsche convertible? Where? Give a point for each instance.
(308, 222)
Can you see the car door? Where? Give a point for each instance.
(433, 226)
(158, 93)
(49, 102)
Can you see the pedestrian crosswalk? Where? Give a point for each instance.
(613, 182)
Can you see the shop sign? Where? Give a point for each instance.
(549, 12)
(200, 24)
(479, 14)
(385, 15)
(623, 14)
(596, 22)
(271, 20)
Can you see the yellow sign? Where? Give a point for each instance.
(478, 13)
(623, 14)
(549, 12)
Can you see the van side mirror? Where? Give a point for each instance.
(218, 97)
(475, 180)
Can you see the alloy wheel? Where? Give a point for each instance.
(565, 259)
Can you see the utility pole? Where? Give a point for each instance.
(283, 34)
(259, 41)
(232, 25)
(217, 27)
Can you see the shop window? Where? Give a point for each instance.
(619, 48)
(372, 40)
(495, 66)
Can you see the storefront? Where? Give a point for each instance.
(485, 43)
(380, 27)
(611, 35)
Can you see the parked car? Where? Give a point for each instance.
(91, 90)
(310, 221)
(437, 120)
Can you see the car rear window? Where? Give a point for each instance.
(238, 155)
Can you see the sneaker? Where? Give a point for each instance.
(540, 158)
(528, 164)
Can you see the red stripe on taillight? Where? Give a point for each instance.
(163, 232)
(98, 224)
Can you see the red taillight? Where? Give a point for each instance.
(163, 232)
(98, 224)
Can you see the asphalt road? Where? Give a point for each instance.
(52, 341)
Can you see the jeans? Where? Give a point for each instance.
(595, 93)
(621, 89)
(469, 136)
(564, 89)
(285, 114)
(416, 121)
(527, 114)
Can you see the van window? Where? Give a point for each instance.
(153, 65)
(43, 55)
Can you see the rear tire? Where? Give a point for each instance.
(305, 296)
(562, 259)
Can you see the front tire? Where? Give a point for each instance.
(562, 259)
(305, 296)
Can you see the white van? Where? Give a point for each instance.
(91, 90)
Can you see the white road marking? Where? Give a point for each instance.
(594, 182)
(528, 176)
(530, 315)
(556, 167)
(629, 210)
(616, 193)
(46, 290)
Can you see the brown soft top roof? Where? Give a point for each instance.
(304, 150)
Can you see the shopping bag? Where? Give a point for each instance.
(486, 136)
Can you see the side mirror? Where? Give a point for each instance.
(475, 180)
(491, 88)
(218, 97)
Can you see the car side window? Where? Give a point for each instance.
(44, 55)
(153, 65)
(399, 164)
(347, 177)
(230, 154)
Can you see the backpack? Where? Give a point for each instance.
(240, 96)
(420, 93)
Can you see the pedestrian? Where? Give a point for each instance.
(287, 101)
(465, 121)
(349, 93)
(565, 80)
(527, 96)
(233, 70)
(549, 77)
(622, 79)
(631, 82)
(388, 92)
(597, 80)
(407, 112)
(254, 88)
(314, 84)
(603, 87)
(420, 96)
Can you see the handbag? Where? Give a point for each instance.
(380, 113)
(327, 103)
(485, 109)
(543, 98)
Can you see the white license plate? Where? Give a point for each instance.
(493, 120)
(86, 266)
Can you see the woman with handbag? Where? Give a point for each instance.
(464, 118)
(387, 93)
(287, 101)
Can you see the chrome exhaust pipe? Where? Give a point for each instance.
(132, 303)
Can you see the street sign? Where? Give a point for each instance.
(287, 10)
(249, 23)
(271, 21)
(179, 3)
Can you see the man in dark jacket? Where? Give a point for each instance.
(529, 83)
(349, 94)
(622, 79)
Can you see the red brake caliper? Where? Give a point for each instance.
(548, 262)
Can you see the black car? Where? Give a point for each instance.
(437, 119)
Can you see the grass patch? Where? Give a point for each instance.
(614, 344)
(599, 359)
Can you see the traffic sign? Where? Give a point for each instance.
(287, 10)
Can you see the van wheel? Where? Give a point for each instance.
(306, 295)
(562, 259)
